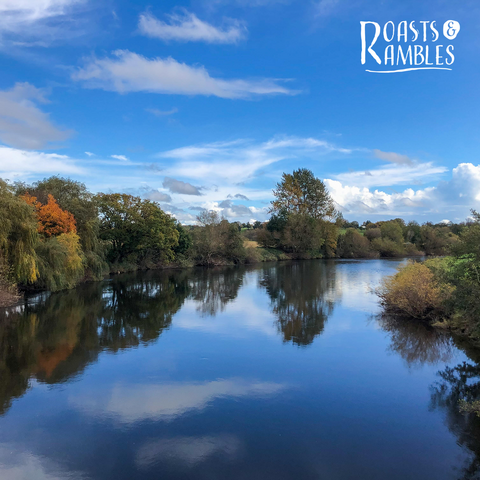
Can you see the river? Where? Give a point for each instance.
(276, 371)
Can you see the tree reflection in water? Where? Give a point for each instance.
(415, 342)
(461, 382)
(301, 298)
(214, 288)
(55, 339)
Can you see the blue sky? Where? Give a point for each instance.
(204, 103)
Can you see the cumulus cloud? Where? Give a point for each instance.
(90, 154)
(22, 123)
(177, 186)
(187, 27)
(455, 197)
(130, 72)
(393, 157)
(15, 163)
(120, 157)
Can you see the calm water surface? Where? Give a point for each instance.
(282, 371)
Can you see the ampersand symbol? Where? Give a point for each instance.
(451, 29)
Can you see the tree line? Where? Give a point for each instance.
(55, 233)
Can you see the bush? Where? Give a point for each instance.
(415, 292)
(388, 248)
(353, 244)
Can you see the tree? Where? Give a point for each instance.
(217, 241)
(52, 220)
(302, 193)
(136, 230)
(75, 198)
(18, 236)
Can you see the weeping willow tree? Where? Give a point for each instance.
(74, 197)
(18, 236)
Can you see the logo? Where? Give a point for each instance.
(403, 47)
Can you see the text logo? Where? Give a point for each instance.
(405, 46)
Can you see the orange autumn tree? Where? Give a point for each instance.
(52, 220)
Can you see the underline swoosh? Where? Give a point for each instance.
(407, 70)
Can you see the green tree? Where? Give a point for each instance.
(136, 230)
(303, 193)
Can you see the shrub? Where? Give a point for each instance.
(388, 248)
(415, 292)
(353, 244)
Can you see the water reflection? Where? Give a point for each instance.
(213, 289)
(417, 343)
(132, 403)
(188, 452)
(300, 299)
(55, 339)
(461, 382)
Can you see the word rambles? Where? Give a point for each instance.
(409, 44)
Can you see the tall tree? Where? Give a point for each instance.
(302, 193)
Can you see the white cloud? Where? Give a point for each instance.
(22, 123)
(15, 163)
(39, 20)
(390, 175)
(189, 28)
(239, 160)
(90, 154)
(129, 72)
(120, 157)
(133, 403)
(455, 197)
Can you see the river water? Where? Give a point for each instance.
(277, 371)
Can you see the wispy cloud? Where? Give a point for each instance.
(15, 163)
(120, 157)
(162, 113)
(237, 161)
(22, 123)
(324, 8)
(187, 27)
(38, 22)
(130, 72)
(390, 175)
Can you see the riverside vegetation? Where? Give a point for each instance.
(55, 233)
